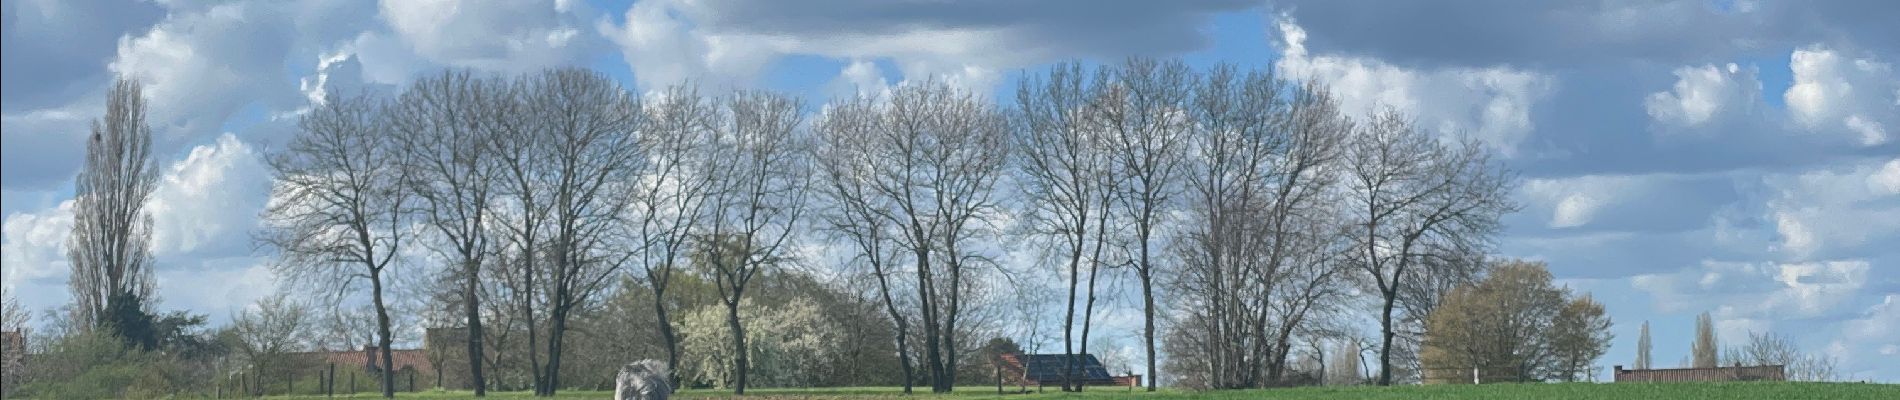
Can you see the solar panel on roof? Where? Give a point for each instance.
(1049, 368)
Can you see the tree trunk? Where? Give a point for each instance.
(556, 339)
(527, 307)
(1068, 320)
(382, 330)
(1148, 312)
(1385, 345)
(471, 308)
(740, 359)
(903, 343)
(950, 321)
(933, 357)
(1088, 319)
(667, 334)
(1095, 268)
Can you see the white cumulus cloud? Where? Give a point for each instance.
(1492, 103)
(1703, 93)
(1887, 180)
(35, 243)
(1836, 92)
(210, 200)
(502, 36)
(1832, 209)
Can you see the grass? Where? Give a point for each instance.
(1579, 391)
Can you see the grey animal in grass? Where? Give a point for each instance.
(642, 380)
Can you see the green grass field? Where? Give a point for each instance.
(1580, 391)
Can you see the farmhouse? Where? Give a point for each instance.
(1040, 370)
(1717, 374)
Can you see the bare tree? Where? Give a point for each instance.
(522, 215)
(110, 246)
(1148, 129)
(1312, 289)
(268, 332)
(337, 211)
(1773, 349)
(669, 199)
(586, 130)
(1260, 253)
(444, 124)
(1065, 176)
(916, 172)
(758, 195)
(847, 135)
(1303, 232)
(1417, 199)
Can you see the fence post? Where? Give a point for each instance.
(352, 383)
(999, 378)
(412, 381)
(329, 388)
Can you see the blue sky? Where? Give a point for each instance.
(1737, 157)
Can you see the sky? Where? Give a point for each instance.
(1739, 157)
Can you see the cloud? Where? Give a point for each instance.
(1887, 180)
(203, 211)
(35, 243)
(200, 68)
(1492, 103)
(208, 203)
(665, 48)
(1759, 291)
(1832, 211)
(1574, 201)
(1871, 339)
(54, 49)
(859, 78)
(727, 42)
(216, 287)
(42, 148)
(509, 37)
(1879, 325)
(1585, 33)
(1834, 92)
(1703, 93)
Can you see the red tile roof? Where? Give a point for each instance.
(370, 359)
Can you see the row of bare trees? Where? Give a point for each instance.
(1250, 203)
(1291, 206)
(1275, 207)
(535, 194)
